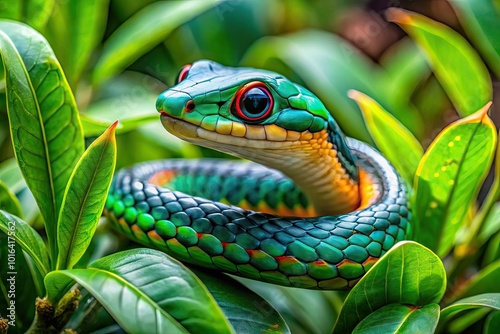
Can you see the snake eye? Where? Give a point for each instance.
(253, 102)
(183, 73)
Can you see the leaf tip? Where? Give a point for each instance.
(398, 16)
(481, 115)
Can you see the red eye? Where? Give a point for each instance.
(253, 102)
(183, 73)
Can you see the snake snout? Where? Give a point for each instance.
(174, 103)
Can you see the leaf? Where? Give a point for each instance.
(483, 282)
(8, 201)
(75, 31)
(246, 311)
(84, 199)
(144, 30)
(479, 19)
(33, 12)
(305, 311)
(11, 175)
(463, 75)
(492, 323)
(131, 111)
(390, 135)
(490, 300)
(397, 318)
(406, 67)
(408, 273)
(29, 240)
(146, 292)
(46, 130)
(448, 179)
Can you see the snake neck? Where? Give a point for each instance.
(322, 167)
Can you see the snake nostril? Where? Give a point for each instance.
(190, 106)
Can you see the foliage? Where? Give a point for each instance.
(74, 67)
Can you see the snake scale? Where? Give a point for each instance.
(315, 209)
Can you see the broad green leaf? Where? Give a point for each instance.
(166, 296)
(480, 19)
(144, 30)
(32, 12)
(8, 201)
(397, 318)
(30, 241)
(490, 300)
(131, 111)
(84, 199)
(246, 311)
(46, 130)
(75, 30)
(408, 273)
(456, 64)
(390, 135)
(492, 323)
(448, 179)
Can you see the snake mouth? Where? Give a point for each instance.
(179, 127)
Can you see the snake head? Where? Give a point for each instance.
(242, 111)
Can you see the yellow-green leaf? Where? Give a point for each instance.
(456, 64)
(9, 201)
(448, 179)
(85, 198)
(390, 135)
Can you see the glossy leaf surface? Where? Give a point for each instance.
(408, 273)
(85, 198)
(448, 179)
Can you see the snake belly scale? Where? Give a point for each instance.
(314, 210)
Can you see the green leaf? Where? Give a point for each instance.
(479, 19)
(146, 292)
(463, 75)
(144, 30)
(29, 240)
(408, 273)
(35, 13)
(75, 30)
(483, 282)
(84, 199)
(390, 135)
(131, 111)
(9, 201)
(46, 130)
(305, 311)
(246, 311)
(406, 67)
(397, 318)
(448, 179)
(492, 323)
(11, 175)
(490, 300)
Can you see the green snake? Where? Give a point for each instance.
(315, 209)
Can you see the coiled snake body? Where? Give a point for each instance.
(321, 213)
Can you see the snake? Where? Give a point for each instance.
(305, 207)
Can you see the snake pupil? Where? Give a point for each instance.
(255, 102)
